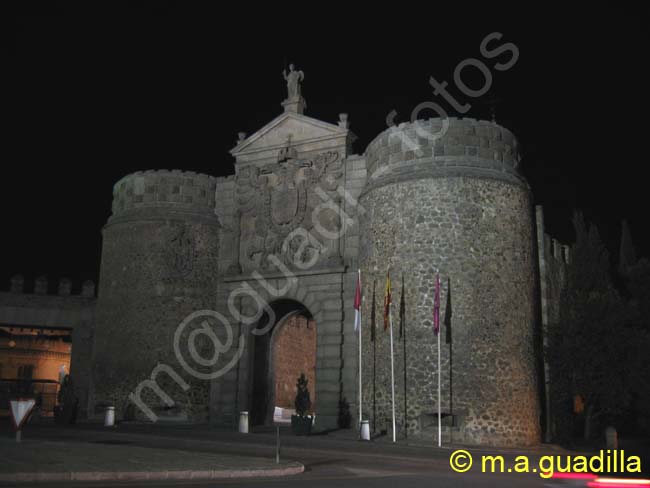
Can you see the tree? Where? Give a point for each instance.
(635, 275)
(587, 348)
(302, 402)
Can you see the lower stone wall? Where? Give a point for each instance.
(75, 312)
(319, 292)
(155, 273)
(478, 233)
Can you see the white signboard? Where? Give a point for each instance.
(20, 409)
(282, 415)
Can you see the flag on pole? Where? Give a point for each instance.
(387, 302)
(402, 311)
(357, 328)
(357, 305)
(436, 307)
(373, 333)
(388, 323)
(372, 314)
(402, 336)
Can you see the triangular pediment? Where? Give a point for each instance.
(300, 129)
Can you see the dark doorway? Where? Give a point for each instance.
(293, 346)
(263, 385)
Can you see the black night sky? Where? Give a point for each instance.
(95, 93)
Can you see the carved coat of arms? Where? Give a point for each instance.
(276, 200)
(179, 254)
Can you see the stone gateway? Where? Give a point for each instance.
(275, 250)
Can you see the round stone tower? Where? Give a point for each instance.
(159, 264)
(446, 195)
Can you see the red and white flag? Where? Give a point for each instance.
(357, 304)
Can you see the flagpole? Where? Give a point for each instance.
(438, 336)
(360, 369)
(402, 336)
(439, 418)
(406, 430)
(392, 366)
(373, 339)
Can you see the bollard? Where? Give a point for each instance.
(365, 430)
(243, 422)
(109, 417)
(611, 437)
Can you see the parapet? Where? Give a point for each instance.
(160, 192)
(444, 147)
(41, 286)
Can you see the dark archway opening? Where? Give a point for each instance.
(264, 385)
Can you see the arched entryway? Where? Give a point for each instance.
(284, 351)
(293, 352)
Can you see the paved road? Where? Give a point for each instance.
(329, 461)
(350, 481)
(358, 471)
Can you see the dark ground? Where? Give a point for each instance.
(330, 460)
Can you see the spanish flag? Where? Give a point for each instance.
(387, 302)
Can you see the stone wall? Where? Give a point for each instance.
(464, 147)
(162, 189)
(468, 214)
(20, 307)
(436, 195)
(431, 196)
(159, 264)
(269, 198)
(319, 293)
(553, 260)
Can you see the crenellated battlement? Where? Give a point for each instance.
(441, 198)
(443, 147)
(175, 190)
(445, 195)
(41, 287)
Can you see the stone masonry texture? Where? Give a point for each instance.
(471, 220)
(159, 264)
(430, 196)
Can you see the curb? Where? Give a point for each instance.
(151, 475)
